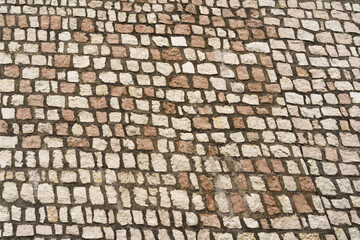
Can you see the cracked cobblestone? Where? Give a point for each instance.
(179, 119)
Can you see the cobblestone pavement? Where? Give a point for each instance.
(186, 119)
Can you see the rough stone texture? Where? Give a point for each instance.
(187, 119)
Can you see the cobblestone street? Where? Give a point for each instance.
(180, 119)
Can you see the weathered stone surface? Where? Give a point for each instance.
(8, 142)
(179, 120)
(291, 222)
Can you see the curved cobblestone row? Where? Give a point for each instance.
(179, 119)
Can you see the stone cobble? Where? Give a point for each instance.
(179, 119)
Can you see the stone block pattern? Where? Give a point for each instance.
(179, 119)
